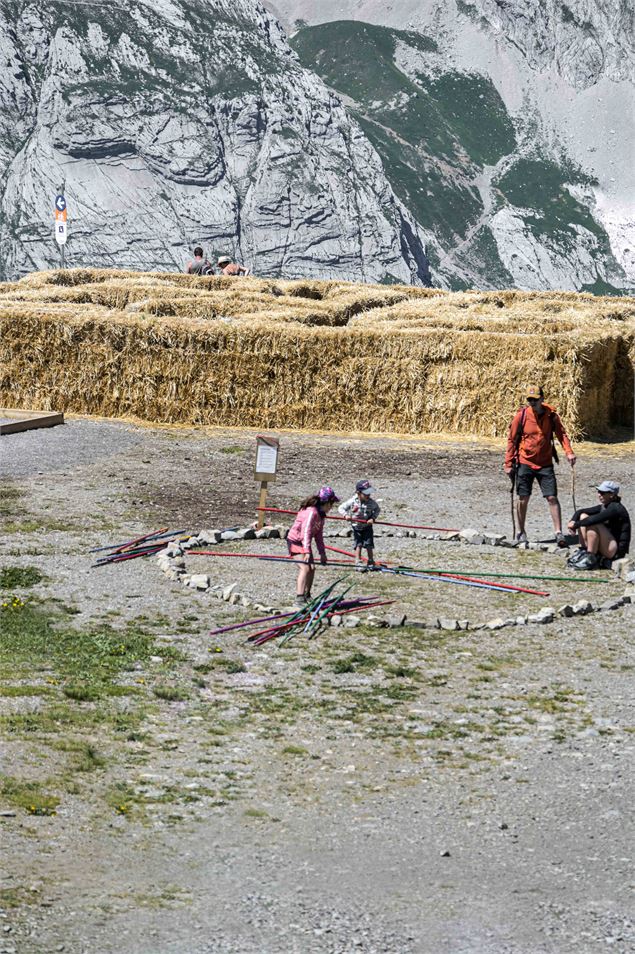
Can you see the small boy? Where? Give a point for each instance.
(362, 511)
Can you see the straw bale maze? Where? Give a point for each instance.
(311, 354)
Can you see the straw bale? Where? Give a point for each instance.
(267, 353)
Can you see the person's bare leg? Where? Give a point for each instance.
(304, 576)
(601, 541)
(369, 552)
(556, 513)
(309, 581)
(582, 532)
(521, 512)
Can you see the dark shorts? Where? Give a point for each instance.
(546, 478)
(363, 535)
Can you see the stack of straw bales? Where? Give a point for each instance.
(308, 354)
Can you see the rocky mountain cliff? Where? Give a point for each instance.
(506, 127)
(180, 121)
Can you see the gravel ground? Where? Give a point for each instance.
(395, 790)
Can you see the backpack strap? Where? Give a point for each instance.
(519, 435)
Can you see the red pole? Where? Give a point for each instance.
(146, 536)
(383, 523)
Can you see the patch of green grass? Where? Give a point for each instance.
(541, 185)
(230, 666)
(14, 692)
(294, 750)
(28, 796)
(16, 897)
(23, 576)
(255, 813)
(354, 662)
(232, 449)
(401, 672)
(9, 500)
(33, 636)
(170, 693)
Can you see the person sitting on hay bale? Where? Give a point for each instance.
(227, 267)
(199, 264)
(604, 530)
(530, 455)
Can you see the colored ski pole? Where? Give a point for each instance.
(456, 578)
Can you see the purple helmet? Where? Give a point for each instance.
(328, 495)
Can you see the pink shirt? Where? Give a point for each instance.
(308, 526)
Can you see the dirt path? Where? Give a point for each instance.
(395, 790)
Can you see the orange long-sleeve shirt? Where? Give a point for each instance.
(535, 443)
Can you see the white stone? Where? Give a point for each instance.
(449, 624)
(497, 623)
(494, 539)
(228, 591)
(472, 536)
(199, 581)
(546, 615)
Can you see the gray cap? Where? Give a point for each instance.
(608, 487)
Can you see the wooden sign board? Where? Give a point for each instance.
(266, 463)
(265, 469)
(13, 420)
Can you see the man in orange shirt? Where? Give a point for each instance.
(530, 455)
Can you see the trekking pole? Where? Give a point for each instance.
(573, 488)
(512, 478)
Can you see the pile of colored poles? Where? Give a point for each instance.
(146, 545)
(309, 620)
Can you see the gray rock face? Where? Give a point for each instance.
(182, 122)
(581, 40)
(552, 209)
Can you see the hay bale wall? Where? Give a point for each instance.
(316, 355)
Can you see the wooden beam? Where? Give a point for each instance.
(13, 420)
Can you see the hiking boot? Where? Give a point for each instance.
(605, 563)
(588, 562)
(576, 556)
(360, 567)
(522, 537)
(300, 602)
(561, 540)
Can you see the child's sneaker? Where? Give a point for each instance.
(560, 540)
(360, 567)
(371, 565)
(300, 602)
(522, 537)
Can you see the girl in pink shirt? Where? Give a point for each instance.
(308, 526)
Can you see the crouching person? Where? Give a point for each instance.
(604, 530)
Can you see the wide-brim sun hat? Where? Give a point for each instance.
(224, 260)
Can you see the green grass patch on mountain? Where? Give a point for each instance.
(540, 185)
(433, 133)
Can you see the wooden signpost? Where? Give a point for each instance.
(265, 467)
